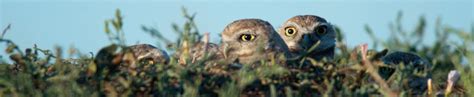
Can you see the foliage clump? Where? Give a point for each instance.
(354, 72)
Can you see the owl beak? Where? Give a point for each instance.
(308, 41)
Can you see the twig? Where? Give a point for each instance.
(5, 30)
(371, 70)
(11, 43)
(45, 52)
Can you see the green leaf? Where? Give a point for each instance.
(106, 27)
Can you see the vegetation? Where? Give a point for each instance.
(38, 72)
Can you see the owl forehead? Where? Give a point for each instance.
(307, 22)
(246, 26)
(307, 19)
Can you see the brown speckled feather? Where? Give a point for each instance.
(147, 51)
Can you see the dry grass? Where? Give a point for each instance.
(351, 74)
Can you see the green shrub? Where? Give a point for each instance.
(95, 75)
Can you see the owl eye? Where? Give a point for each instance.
(290, 31)
(247, 37)
(321, 30)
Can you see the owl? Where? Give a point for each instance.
(146, 53)
(118, 58)
(302, 32)
(202, 51)
(416, 84)
(247, 41)
(198, 51)
(411, 61)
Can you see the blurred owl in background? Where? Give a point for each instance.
(204, 51)
(200, 51)
(411, 61)
(115, 57)
(416, 84)
(147, 53)
(247, 41)
(302, 32)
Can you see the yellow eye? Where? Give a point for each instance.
(290, 31)
(247, 37)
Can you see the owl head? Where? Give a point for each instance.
(148, 53)
(251, 40)
(302, 32)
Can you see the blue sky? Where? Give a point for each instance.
(80, 23)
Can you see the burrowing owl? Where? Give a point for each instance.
(414, 64)
(251, 40)
(412, 61)
(112, 56)
(301, 32)
(198, 51)
(148, 53)
(203, 50)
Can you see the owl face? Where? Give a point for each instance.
(302, 32)
(249, 40)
